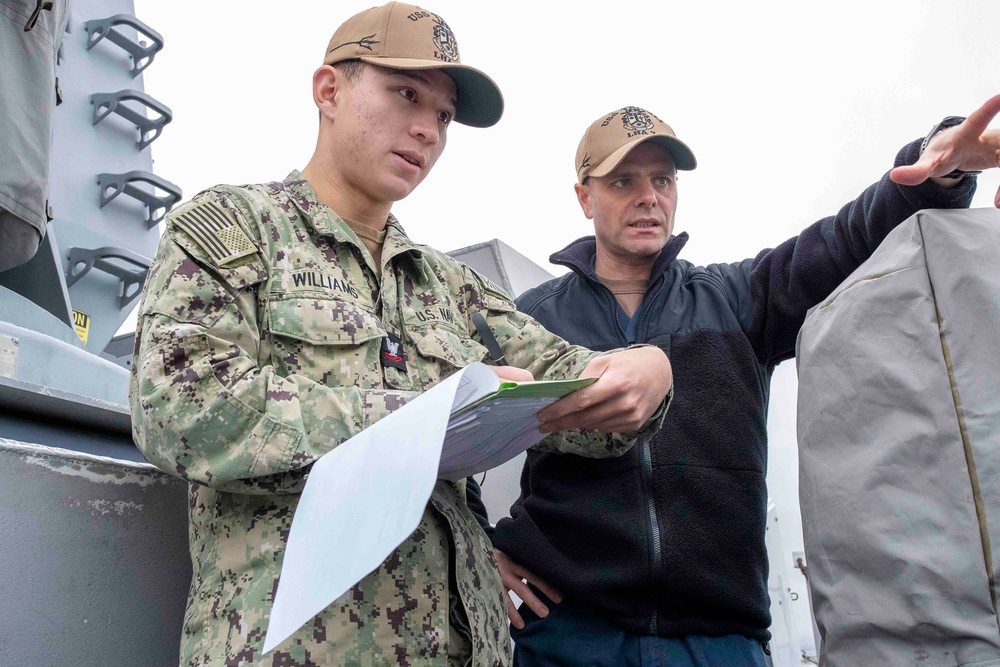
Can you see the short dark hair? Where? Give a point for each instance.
(351, 69)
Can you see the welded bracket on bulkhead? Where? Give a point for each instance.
(106, 104)
(141, 52)
(129, 267)
(157, 206)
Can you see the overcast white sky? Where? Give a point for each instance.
(791, 108)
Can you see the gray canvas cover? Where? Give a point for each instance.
(27, 102)
(899, 435)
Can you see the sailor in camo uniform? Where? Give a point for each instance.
(271, 329)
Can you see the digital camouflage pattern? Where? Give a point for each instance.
(248, 368)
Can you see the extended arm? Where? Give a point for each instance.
(788, 280)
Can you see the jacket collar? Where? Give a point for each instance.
(325, 222)
(579, 255)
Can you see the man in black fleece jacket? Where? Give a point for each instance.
(660, 553)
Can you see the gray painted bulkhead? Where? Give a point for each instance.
(95, 562)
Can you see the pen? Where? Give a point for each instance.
(489, 340)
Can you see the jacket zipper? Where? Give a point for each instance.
(655, 555)
(613, 309)
(655, 548)
(640, 331)
(647, 471)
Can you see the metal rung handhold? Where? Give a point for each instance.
(107, 103)
(142, 54)
(99, 258)
(156, 206)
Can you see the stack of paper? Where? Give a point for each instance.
(365, 497)
(488, 428)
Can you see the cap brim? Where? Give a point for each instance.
(480, 102)
(682, 155)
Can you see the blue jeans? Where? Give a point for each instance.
(576, 636)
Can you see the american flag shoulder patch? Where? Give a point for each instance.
(215, 229)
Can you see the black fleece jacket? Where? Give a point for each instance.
(668, 539)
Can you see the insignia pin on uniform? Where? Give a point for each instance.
(393, 355)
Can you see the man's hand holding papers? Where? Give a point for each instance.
(631, 386)
(618, 392)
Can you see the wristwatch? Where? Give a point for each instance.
(946, 122)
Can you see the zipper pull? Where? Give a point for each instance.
(33, 19)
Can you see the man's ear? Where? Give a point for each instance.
(583, 196)
(328, 82)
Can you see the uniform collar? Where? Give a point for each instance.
(325, 222)
(398, 243)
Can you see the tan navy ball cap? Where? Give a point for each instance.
(611, 137)
(402, 36)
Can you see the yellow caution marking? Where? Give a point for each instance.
(81, 321)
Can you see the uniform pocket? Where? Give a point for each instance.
(329, 341)
(446, 345)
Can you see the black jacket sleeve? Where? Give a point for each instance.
(787, 281)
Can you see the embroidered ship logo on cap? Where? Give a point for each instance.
(444, 40)
(636, 121)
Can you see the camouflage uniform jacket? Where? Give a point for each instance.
(257, 351)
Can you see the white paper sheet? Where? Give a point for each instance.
(360, 502)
